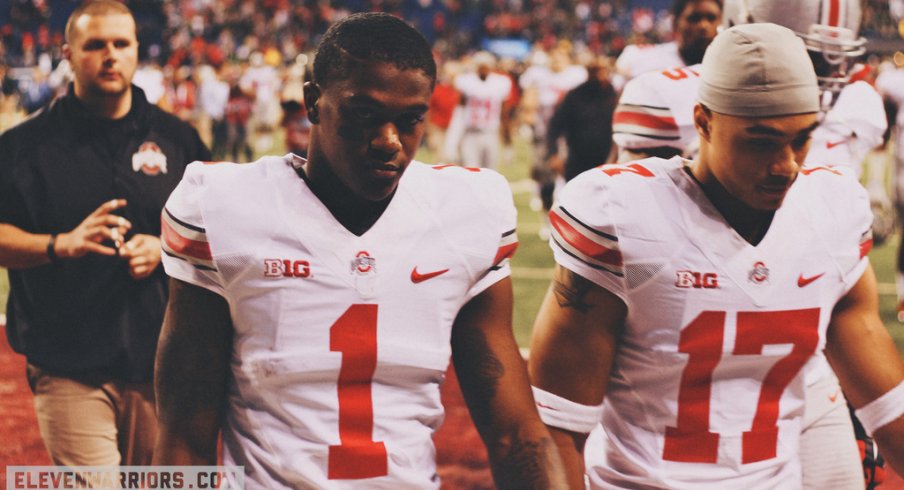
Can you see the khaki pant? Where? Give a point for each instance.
(94, 420)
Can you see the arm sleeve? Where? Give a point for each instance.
(501, 208)
(624, 62)
(186, 251)
(861, 220)
(846, 208)
(642, 119)
(859, 110)
(584, 237)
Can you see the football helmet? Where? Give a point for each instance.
(829, 28)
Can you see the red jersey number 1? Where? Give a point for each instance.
(358, 456)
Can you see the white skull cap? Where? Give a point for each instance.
(758, 70)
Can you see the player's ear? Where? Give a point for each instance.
(67, 53)
(311, 97)
(703, 121)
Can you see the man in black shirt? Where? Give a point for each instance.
(584, 118)
(82, 185)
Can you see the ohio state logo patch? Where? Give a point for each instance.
(759, 274)
(149, 159)
(363, 263)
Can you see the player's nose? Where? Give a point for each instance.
(784, 163)
(387, 141)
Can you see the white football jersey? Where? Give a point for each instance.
(657, 109)
(552, 85)
(637, 59)
(853, 126)
(890, 83)
(706, 389)
(483, 99)
(341, 341)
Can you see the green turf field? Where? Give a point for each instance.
(532, 265)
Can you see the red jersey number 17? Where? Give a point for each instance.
(690, 440)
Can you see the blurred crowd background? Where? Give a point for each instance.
(235, 68)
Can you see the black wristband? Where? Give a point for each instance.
(51, 253)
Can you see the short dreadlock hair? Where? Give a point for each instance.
(371, 37)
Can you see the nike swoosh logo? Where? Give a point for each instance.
(833, 144)
(416, 277)
(834, 397)
(804, 281)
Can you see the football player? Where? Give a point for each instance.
(694, 22)
(694, 294)
(483, 93)
(655, 118)
(316, 303)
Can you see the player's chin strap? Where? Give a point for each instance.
(566, 414)
(883, 410)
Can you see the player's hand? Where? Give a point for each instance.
(143, 254)
(99, 226)
(873, 463)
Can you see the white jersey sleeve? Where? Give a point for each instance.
(854, 126)
(890, 83)
(850, 223)
(584, 237)
(637, 59)
(657, 109)
(491, 194)
(186, 250)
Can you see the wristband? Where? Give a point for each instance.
(883, 410)
(565, 414)
(51, 253)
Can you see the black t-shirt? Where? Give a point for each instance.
(55, 169)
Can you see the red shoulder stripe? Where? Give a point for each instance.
(583, 244)
(184, 246)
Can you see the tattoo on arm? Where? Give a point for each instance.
(571, 291)
(479, 372)
(525, 465)
(519, 460)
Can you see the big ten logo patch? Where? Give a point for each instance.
(697, 280)
(287, 268)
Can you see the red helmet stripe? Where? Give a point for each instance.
(834, 12)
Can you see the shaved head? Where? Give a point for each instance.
(94, 7)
